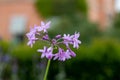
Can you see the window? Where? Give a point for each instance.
(17, 27)
(117, 5)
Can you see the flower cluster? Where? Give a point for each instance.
(47, 52)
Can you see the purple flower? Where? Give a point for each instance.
(67, 39)
(75, 40)
(54, 41)
(58, 36)
(39, 28)
(70, 52)
(44, 26)
(46, 37)
(33, 30)
(31, 37)
(46, 52)
(30, 43)
(61, 55)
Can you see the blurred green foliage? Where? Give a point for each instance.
(114, 30)
(116, 26)
(4, 45)
(117, 21)
(24, 52)
(98, 61)
(68, 16)
(50, 8)
(23, 61)
(72, 24)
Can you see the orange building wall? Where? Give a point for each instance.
(9, 9)
(101, 12)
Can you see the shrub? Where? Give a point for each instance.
(4, 46)
(98, 61)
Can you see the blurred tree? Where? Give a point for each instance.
(49, 8)
(117, 21)
(68, 25)
(67, 16)
(114, 31)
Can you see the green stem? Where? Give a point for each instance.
(47, 69)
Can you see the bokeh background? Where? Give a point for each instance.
(98, 22)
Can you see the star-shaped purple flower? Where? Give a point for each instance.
(46, 52)
(70, 52)
(72, 39)
(44, 26)
(31, 37)
(61, 55)
(67, 39)
(75, 40)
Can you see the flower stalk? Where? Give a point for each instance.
(47, 69)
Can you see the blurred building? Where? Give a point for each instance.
(16, 16)
(101, 12)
